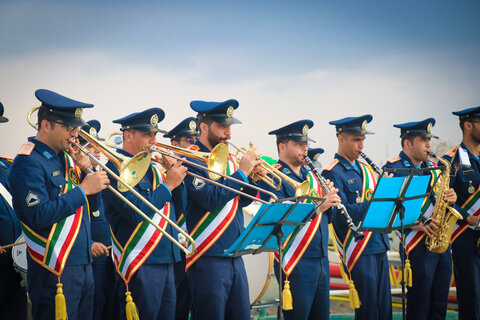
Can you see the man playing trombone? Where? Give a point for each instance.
(305, 263)
(50, 199)
(218, 284)
(143, 256)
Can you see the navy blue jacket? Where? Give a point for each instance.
(318, 247)
(349, 182)
(100, 231)
(124, 219)
(42, 174)
(9, 225)
(206, 197)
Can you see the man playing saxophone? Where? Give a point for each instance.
(465, 180)
(431, 272)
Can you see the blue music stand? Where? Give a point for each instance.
(274, 220)
(396, 203)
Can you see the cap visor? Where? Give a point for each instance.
(3, 119)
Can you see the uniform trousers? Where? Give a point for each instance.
(219, 289)
(310, 287)
(13, 298)
(372, 281)
(183, 291)
(105, 302)
(77, 288)
(431, 275)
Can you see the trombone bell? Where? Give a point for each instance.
(133, 171)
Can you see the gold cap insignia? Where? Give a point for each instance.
(93, 132)
(78, 112)
(429, 127)
(154, 120)
(364, 125)
(230, 112)
(305, 130)
(192, 125)
(315, 157)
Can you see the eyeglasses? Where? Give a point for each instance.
(190, 140)
(69, 128)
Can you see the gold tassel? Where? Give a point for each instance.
(287, 296)
(60, 304)
(353, 295)
(131, 308)
(342, 272)
(393, 277)
(408, 273)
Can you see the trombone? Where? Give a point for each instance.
(301, 188)
(141, 161)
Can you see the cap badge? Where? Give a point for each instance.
(305, 130)
(364, 125)
(192, 125)
(92, 132)
(315, 157)
(78, 112)
(429, 127)
(230, 112)
(154, 120)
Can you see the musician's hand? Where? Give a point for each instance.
(330, 186)
(450, 196)
(249, 161)
(2, 251)
(175, 175)
(332, 199)
(430, 230)
(166, 161)
(94, 182)
(258, 172)
(98, 249)
(472, 220)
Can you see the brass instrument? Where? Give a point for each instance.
(130, 171)
(301, 188)
(446, 215)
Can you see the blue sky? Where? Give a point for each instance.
(283, 60)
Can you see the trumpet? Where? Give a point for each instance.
(130, 171)
(301, 188)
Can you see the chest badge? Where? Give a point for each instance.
(96, 214)
(471, 189)
(358, 199)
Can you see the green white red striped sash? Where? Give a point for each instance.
(472, 206)
(181, 222)
(351, 249)
(52, 253)
(143, 240)
(413, 237)
(213, 224)
(300, 239)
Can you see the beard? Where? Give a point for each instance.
(213, 140)
(475, 135)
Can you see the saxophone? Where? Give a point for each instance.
(446, 215)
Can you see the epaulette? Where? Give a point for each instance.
(8, 159)
(451, 152)
(277, 166)
(394, 159)
(194, 147)
(26, 149)
(331, 165)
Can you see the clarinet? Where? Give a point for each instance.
(371, 164)
(341, 208)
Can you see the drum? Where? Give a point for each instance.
(262, 283)
(19, 256)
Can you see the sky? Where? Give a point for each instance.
(283, 61)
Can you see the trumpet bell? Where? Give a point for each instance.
(218, 160)
(133, 171)
(301, 189)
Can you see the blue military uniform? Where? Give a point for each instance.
(37, 179)
(218, 284)
(152, 286)
(105, 304)
(310, 279)
(431, 272)
(370, 272)
(186, 128)
(465, 180)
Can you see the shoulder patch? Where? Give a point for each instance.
(452, 151)
(194, 147)
(394, 159)
(198, 183)
(26, 149)
(32, 199)
(331, 165)
(277, 166)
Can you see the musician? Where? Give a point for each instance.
(366, 260)
(218, 284)
(13, 298)
(465, 180)
(51, 202)
(183, 135)
(431, 273)
(310, 277)
(105, 304)
(144, 248)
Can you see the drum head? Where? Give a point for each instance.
(19, 255)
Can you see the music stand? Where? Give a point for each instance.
(274, 220)
(397, 203)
